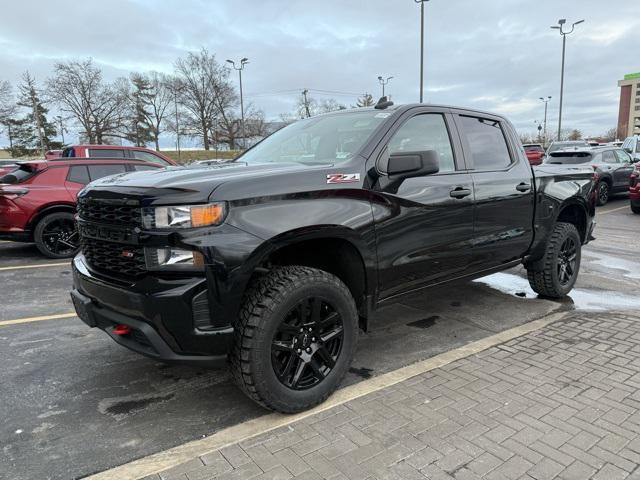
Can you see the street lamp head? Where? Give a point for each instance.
(562, 21)
(230, 61)
(380, 77)
(578, 22)
(244, 60)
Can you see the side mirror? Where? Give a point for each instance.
(413, 164)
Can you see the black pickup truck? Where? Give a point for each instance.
(277, 259)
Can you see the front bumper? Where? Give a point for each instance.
(160, 313)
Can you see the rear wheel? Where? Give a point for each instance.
(556, 273)
(603, 193)
(295, 338)
(635, 208)
(56, 235)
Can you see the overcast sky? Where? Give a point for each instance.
(498, 55)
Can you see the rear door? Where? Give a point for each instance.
(424, 225)
(623, 170)
(504, 190)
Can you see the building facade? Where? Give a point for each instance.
(629, 111)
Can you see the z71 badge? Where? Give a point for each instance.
(343, 177)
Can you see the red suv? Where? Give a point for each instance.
(117, 151)
(38, 200)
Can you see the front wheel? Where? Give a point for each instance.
(295, 338)
(56, 235)
(556, 273)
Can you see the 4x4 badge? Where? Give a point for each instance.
(343, 177)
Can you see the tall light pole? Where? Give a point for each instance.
(564, 34)
(243, 62)
(421, 2)
(61, 125)
(383, 82)
(546, 102)
(176, 89)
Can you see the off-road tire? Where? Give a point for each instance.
(603, 193)
(41, 226)
(265, 305)
(543, 275)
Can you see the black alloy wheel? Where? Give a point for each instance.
(307, 344)
(56, 235)
(567, 261)
(603, 193)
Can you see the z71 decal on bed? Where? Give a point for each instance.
(343, 177)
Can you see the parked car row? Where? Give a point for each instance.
(38, 199)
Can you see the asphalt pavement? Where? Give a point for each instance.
(74, 402)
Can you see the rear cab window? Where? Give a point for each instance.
(106, 153)
(149, 157)
(487, 143)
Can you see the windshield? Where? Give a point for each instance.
(318, 140)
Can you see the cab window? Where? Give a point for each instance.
(106, 153)
(425, 132)
(487, 143)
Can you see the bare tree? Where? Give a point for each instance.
(98, 108)
(610, 135)
(8, 108)
(202, 82)
(159, 102)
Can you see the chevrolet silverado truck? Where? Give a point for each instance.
(276, 260)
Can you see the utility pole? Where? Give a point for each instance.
(421, 2)
(383, 82)
(175, 89)
(564, 34)
(306, 102)
(243, 62)
(61, 126)
(546, 102)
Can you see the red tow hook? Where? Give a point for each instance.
(121, 330)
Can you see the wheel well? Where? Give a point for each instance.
(606, 180)
(47, 210)
(334, 255)
(577, 216)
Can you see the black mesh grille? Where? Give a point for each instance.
(110, 214)
(116, 258)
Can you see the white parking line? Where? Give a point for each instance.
(161, 461)
(59, 316)
(613, 210)
(41, 265)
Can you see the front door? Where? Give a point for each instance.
(624, 169)
(424, 225)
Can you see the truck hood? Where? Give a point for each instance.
(188, 184)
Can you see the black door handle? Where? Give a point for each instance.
(460, 192)
(523, 187)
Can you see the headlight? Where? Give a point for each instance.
(167, 257)
(185, 216)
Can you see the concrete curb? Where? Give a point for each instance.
(161, 461)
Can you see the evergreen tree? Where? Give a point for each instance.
(365, 100)
(33, 131)
(140, 132)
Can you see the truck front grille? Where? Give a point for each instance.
(115, 258)
(111, 214)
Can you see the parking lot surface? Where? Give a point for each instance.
(74, 402)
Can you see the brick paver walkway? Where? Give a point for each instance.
(562, 402)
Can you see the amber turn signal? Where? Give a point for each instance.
(203, 215)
